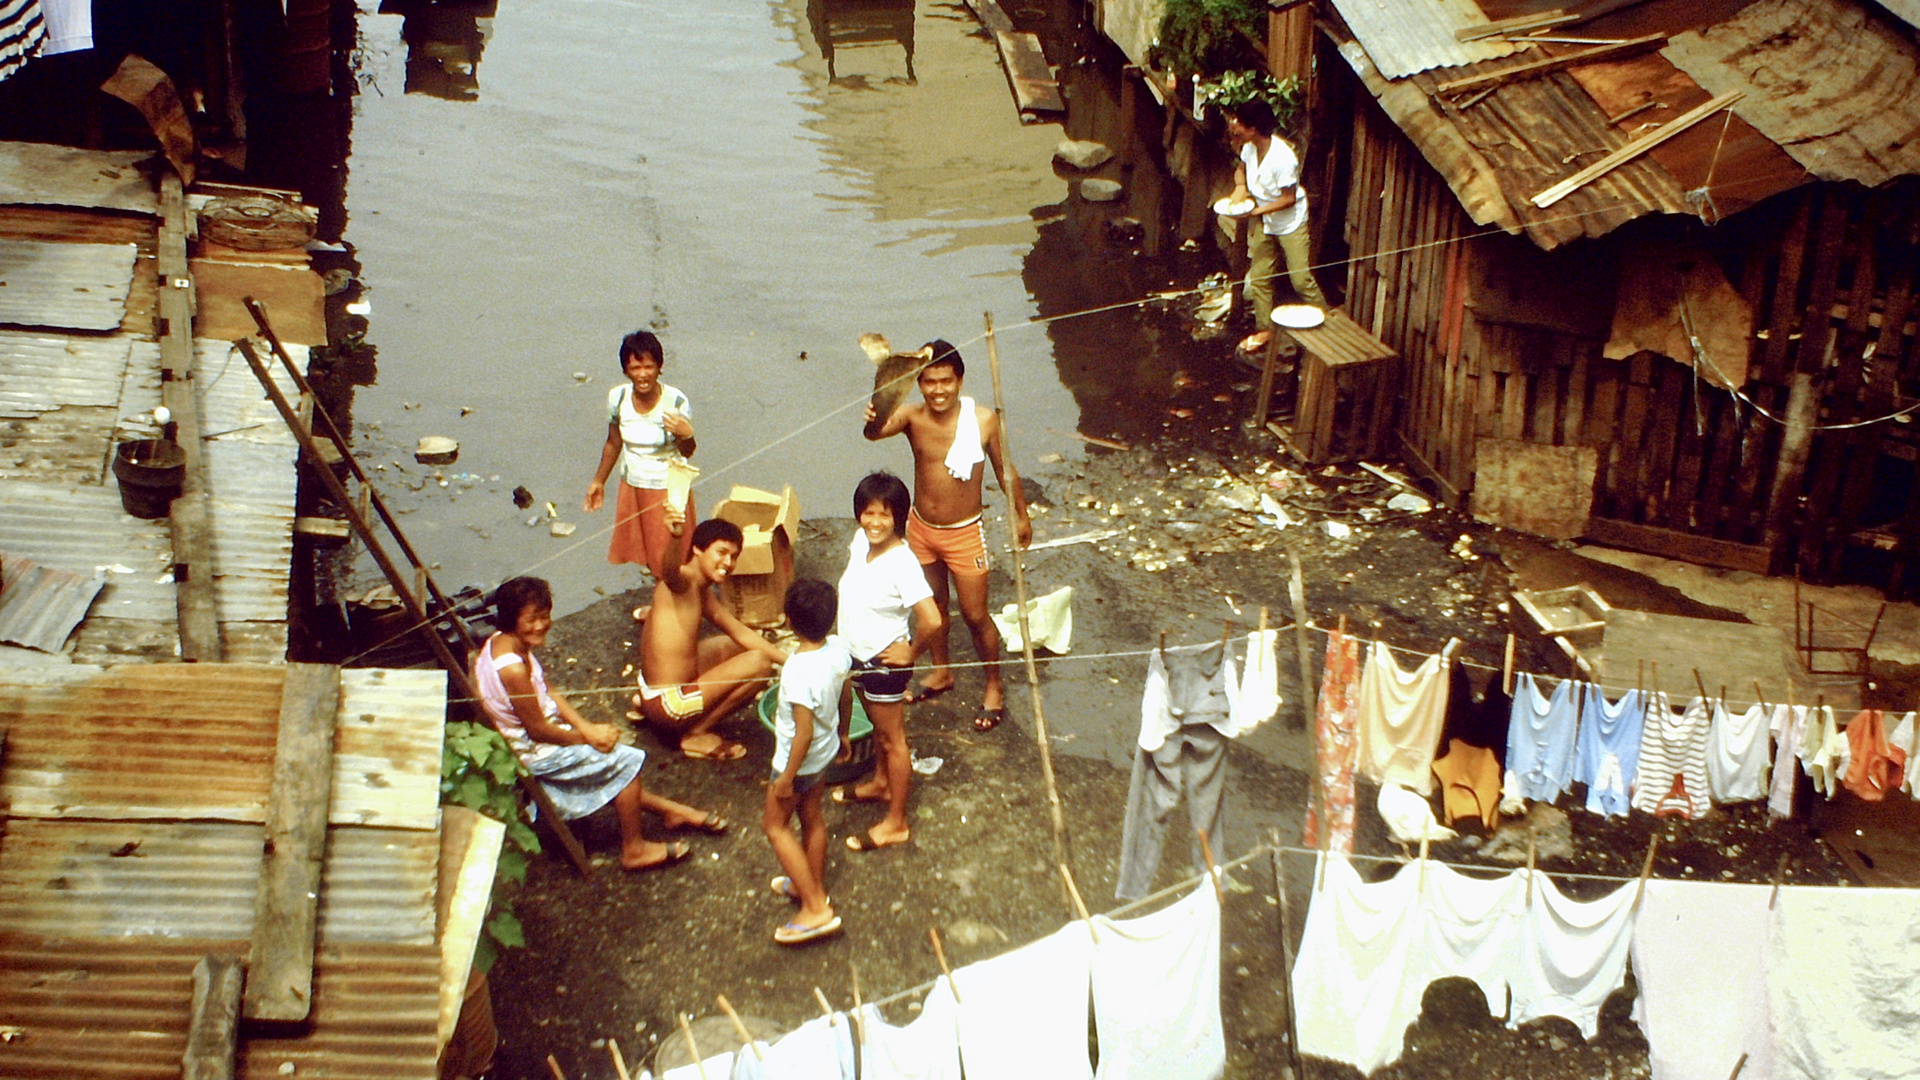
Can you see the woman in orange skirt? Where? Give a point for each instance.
(649, 425)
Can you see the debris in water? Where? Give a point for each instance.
(436, 450)
(561, 529)
(522, 498)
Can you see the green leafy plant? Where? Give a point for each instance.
(479, 771)
(1206, 37)
(1235, 87)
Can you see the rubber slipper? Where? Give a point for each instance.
(640, 613)
(845, 795)
(718, 750)
(864, 842)
(676, 852)
(988, 719)
(917, 694)
(795, 934)
(782, 886)
(714, 825)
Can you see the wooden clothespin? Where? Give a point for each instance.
(1506, 669)
(1759, 697)
(1343, 626)
(1079, 905)
(1779, 875)
(1702, 684)
(1163, 642)
(860, 1025)
(1263, 618)
(1326, 855)
(1656, 675)
(825, 1007)
(1531, 840)
(1446, 653)
(1646, 869)
(1422, 879)
(619, 1063)
(1640, 677)
(1738, 1066)
(1723, 696)
(1213, 869)
(687, 1029)
(940, 954)
(739, 1028)
(554, 1067)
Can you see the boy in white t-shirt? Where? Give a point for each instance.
(814, 694)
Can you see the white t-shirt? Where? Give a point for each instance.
(1269, 178)
(649, 446)
(812, 678)
(876, 596)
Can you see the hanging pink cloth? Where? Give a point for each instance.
(1336, 739)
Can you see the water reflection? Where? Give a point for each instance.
(838, 24)
(444, 41)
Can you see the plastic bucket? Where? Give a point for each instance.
(151, 473)
(859, 734)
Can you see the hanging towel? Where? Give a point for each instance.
(1156, 992)
(1370, 950)
(820, 1049)
(1024, 1014)
(1825, 751)
(1607, 750)
(1400, 717)
(967, 452)
(1906, 736)
(927, 1049)
(1875, 766)
(1409, 817)
(1541, 740)
(1336, 729)
(1193, 761)
(1050, 617)
(1737, 753)
(1843, 983)
(1573, 954)
(1700, 961)
(1673, 760)
(69, 25)
(1789, 727)
(1259, 695)
(1191, 684)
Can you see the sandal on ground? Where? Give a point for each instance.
(988, 719)
(844, 795)
(701, 749)
(676, 852)
(782, 886)
(864, 842)
(918, 693)
(713, 825)
(795, 934)
(640, 613)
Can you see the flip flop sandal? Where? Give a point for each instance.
(988, 719)
(917, 694)
(795, 934)
(676, 853)
(782, 886)
(718, 750)
(714, 825)
(864, 842)
(845, 795)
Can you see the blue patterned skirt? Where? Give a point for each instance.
(581, 779)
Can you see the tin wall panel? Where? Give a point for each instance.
(39, 606)
(1405, 38)
(73, 286)
(41, 174)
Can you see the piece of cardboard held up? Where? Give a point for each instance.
(756, 591)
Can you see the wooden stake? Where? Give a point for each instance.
(859, 1024)
(1646, 869)
(1213, 869)
(825, 1007)
(940, 954)
(1759, 698)
(619, 1063)
(1702, 684)
(1531, 841)
(554, 1067)
(693, 1047)
(1286, 951)
(1060, 848)
(739, 1028)
(1079, 904)
(1506, 669)
(1297, 596)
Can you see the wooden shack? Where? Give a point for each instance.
(1716, 292)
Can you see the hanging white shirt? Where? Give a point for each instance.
(1024, 1014)
(927, 1049)
(1156, 992)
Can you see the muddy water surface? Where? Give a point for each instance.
(611, 165)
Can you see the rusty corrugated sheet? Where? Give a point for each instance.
(1405, 38)
(78, 527)
(73, 286)
(39, 606)
(112, 879)
(195, 742)
(1828, 80)
(119, 1008)
(43, 372)
(44, 175)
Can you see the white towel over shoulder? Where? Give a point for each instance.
(966, 451)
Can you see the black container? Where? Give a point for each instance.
(151, 473)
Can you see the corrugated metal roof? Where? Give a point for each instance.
(1405, 38)
(119, 1008)
(196, 742)
(200, 880)
(78, 527)
(1832, 84)
(40, 174)
(40, 606)
(76, 286)
(41, 372)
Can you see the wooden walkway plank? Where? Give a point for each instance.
(1032, 82)
(280, 982)
(213, 1026)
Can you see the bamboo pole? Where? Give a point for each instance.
(1286, 952)
(1061, 853)
(1297, 595)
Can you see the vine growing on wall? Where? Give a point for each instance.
(479, 771)
(1210, 37)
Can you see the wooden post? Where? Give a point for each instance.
(1286, 952)
(456, 669)
(1297, 595)
(1060, 847)
(190, 520)
(280, 965)
(214, 1022)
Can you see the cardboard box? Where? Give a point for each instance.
(756, 591)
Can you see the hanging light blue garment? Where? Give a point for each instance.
(1608, 752)
(1540, 740)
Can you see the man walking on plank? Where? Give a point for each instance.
(952, 438)
(687, 684)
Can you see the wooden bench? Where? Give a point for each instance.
(1344, 408)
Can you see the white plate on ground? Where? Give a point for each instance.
(1229, 208)
(1298, 316)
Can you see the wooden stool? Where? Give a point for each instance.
(1344, 408)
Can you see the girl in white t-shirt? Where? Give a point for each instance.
(883, 585)
(649, 425)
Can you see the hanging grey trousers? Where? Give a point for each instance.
(1193, 760)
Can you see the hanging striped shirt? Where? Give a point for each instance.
(22, 34)
(1673, 745)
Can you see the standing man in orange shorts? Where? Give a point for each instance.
(952, 438)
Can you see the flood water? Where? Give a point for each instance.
(608, 165)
